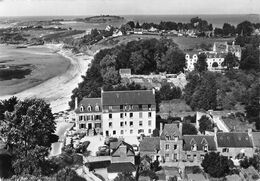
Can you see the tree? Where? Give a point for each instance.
(67, 174)
(230, 61)
(173, 61)
(216, 165)
(189, 129)
(205, 94)
(205, 124)
(28, 131)
(228, 29)
(124, 177)
(201, 64)
(245, 28)
(7, 105)
(156, 132)
(131, 24)
(168, 93)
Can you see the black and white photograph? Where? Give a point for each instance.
(129, 90)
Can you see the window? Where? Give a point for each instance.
(131, 123)
(121, 124)
(149, 123)
(205, 147)
(131, 115)
(121, 115)
(167, 147)
(114, 132)
(131, 131)
(149, 114)
(89, 108)
(110, 116)
(81, 118)
(81, 108)
(140, 131)
(225, 150)
(188, 157)
(88, 118)
(110, 124)
(149, 107)
(140, 123)
(149, 131)
(140, 114)
(201, 157)
(122, 131)
(121, 107)
(140, 106)
(110, 108)
(82, 126)
(175, 147)
(167, 155)
(125, 123)
(194, 147)
(97, 108)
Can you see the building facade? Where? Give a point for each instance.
(171, 142)
(234, 143)
(196, 146)
(89, 115)
(128, 113)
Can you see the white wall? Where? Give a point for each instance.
(116, 120)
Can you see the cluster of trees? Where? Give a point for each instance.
(195, 23)
(217, 165)
(252, 161)
(205, 124)
(244, 28)
(142, 57)
(28, 128)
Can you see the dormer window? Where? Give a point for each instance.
(205, 148)
(81, 108)
(194, 147)
(97, 108)
(89, 108)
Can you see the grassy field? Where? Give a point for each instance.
(183, 42)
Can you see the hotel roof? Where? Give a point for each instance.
(132, 97)
(86, 102)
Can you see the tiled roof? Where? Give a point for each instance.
(256, 139)
(150, 144)
(170, 130)
(234, 140)
(121, 167)
(134, 97)
(200, 141)
(93, 102)
(118, 151)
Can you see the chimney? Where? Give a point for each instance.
(153, 91)
(180, 128)
(249, 132)
(76, 103)
(161, 128)
(215, 135)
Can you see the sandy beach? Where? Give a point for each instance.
(58, 90)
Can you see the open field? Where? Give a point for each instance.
(183, 42)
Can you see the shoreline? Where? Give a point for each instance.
(57, 90)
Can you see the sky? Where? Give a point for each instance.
(126, 7)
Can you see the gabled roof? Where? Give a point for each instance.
(256, 139)
(170, 130)
(121, 167)
(150, 144)
(234, 140)
(119, 150)
(93, 102)
(200, 141)
(134, 97)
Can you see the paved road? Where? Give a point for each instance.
(60, 131)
